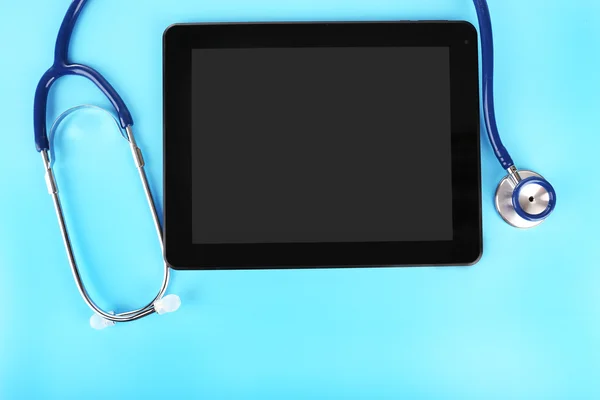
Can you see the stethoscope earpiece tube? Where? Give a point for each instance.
(161, 304)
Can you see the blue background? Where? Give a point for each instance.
(523, 323)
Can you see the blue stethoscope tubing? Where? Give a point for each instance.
(62, 67)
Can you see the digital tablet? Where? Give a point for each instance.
(342, 144)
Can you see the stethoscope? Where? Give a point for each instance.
(101, 319)
(523, 199)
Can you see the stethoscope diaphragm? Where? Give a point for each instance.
(525, 204)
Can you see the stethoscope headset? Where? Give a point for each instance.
(524, 199)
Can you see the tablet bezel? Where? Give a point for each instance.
(465, 249)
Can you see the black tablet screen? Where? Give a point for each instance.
(296, 145)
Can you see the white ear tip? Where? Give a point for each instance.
(98, 322)
(167, 304)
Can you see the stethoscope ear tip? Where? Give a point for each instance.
(98, 322)
(164, 305)
(167, 304)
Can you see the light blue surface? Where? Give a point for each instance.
(523, 323)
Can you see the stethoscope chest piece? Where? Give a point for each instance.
(527, 204)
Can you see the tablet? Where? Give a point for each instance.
(329, 144)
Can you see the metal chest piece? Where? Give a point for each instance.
(533, 199)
